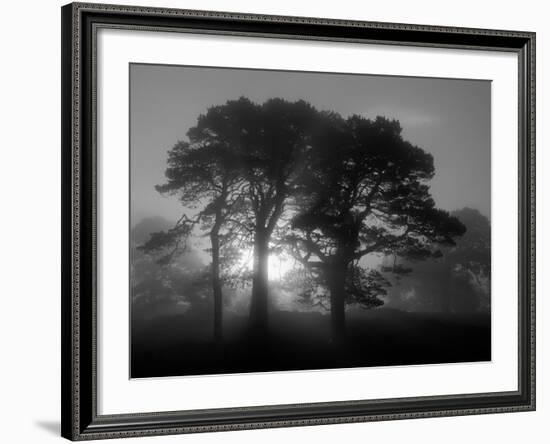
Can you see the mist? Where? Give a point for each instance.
(293, 221)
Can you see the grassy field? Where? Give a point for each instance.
(181, 344)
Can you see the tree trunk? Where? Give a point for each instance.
(336, 283)
(258, 303)
(216, 285)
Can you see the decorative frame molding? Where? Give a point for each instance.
(80, 22)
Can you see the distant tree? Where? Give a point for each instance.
(157, 284)
(459, 280)
(365, 192)
(472, 254)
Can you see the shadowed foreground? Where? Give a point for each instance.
(171, 345)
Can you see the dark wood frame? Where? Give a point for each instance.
(79, 413)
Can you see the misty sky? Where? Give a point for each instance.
(448, 118)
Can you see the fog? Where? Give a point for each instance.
(224, 279)
(449, 118)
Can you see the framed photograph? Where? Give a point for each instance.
(281, 221)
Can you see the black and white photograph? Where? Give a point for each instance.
(291, 220)
(248, 222)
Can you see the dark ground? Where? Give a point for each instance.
(171, 345)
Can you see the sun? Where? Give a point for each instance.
(277, 264)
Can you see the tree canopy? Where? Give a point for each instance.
(365, 193)
(326, 189)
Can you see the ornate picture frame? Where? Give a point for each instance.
(81, 419)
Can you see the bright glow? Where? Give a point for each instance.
(277, 266)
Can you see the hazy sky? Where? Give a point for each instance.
(448, 118)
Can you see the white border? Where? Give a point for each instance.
(118, 394)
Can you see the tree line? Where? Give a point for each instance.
(457, 282)
(327, 190)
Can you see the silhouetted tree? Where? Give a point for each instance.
(351, 187)
(268, 143)
(364, 193)
(204, 173)
(242, 163)
(362, 287)
(273, 166)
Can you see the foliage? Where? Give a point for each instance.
(365, 192)
(330, 191)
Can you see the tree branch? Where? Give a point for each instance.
(375, 247)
